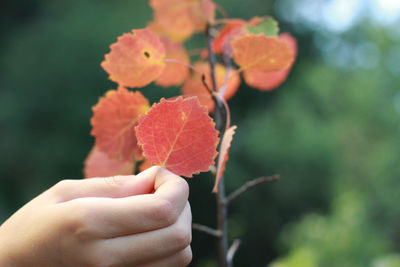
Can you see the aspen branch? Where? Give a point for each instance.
(206, 229)
(249, 185)
(220, 125)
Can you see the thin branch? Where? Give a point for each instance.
(206, 229)
(171, 60)
(221, 99)
(195, 51)
(212, 58)
(225, 21)
(221, 10)
(249, 185)
(203, 80)
(232, 251)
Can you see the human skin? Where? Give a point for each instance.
(142, 220)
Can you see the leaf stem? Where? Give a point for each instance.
(171, 60)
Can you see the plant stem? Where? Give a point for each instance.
(220, 125)
(222, 218)
(249, 185)
(206, 229)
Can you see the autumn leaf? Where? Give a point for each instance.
(202, 12)
(223, 155)
(266, 25)
(179, 19)
(179, 135)
(266, 81)
(261, 53)
(226, 33)
(195, 87)
(98, 164)
(136, 59)
(113, 123)
(235, 28)
(176, 71)
(290, 41)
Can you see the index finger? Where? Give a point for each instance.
(140, 213)
(171, 187)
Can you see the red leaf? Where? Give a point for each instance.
(136, 59)
(226, 31)
(179, 135)
(114, 119)
(98, 164)
(224, 155)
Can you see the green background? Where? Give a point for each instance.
(331, 130)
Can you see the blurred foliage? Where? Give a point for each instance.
(331, 131)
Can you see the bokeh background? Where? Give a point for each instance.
(331, 130)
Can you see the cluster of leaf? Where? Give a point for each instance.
(178, 133)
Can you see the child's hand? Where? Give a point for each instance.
(142, 220)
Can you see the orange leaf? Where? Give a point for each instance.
(114, 119)
(290, 41)
(266, 81)
(202, 12)
(179, 135)
(136, 59)
(261, 53)
(224, 155)
(98, 164)
(195, 87)
(226, 33)
(174, 72)
(179, 19)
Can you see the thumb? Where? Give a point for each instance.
(109, 187)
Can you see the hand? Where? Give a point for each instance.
(142, 220)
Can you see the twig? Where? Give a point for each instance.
(227, 110)
(206, 229)
(223, 12)
(203, 80)
(171, 60)
(232, 251)
(249, 185)
(195, 51)
(213, 59)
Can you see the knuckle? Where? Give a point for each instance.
(165, 212)
(186, 257)
(62, 185)
(181, 236)
(81, 220)
(184, 186)
(114, 181)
